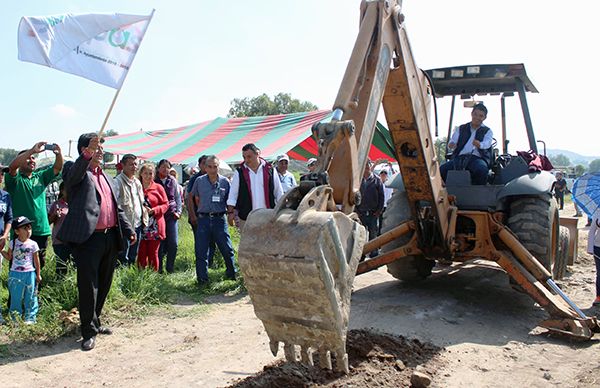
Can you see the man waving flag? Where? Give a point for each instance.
(99, 47)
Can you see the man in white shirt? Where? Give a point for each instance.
(254, 186)
(471, 146)
(286, 178)
(130, 195)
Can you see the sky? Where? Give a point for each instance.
(197, 56)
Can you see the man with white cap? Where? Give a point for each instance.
(311, 164)
(285, 177)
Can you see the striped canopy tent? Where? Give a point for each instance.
(274, 135)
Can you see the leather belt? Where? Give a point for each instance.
(219, 214)
(105, 230)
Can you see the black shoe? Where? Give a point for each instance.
(88, 344)
(202, 283)
(104, 330)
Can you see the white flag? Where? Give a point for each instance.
(99, 47)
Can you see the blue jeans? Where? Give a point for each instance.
(211, 247)
(215, 229)
(23, 292)
(168, 246)
(474, 164)
(128, 255)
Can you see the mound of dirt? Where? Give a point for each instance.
(375, 359)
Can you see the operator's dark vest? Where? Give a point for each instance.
(244, 201)
(463, 137)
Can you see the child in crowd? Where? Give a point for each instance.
(594, 248)
(56, 215)
(24, 274)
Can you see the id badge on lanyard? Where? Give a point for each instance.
(216, 197)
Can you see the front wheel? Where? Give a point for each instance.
(409, 268)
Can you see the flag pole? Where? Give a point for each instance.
(109, 112)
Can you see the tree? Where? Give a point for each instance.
(107, 155)
(7, 155)
(440, 148)
(559, 160)
(594, 166)
(579, 170)
(262, 105)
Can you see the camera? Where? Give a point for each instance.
(50, 147)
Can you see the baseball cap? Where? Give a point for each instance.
(283, 157)
(383, 171)
(311, 161)
(20, 221)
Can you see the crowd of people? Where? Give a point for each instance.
(100, 222)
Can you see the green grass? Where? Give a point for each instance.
(134, 293)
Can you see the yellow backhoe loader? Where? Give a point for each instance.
(300, 282)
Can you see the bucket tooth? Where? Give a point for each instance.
(341, 362)
(307, 356)
(325, 359)
(290, 352)
(274, 345)
(300, 285)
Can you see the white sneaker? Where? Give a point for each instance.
(29, 322)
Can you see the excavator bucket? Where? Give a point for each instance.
(299, 261)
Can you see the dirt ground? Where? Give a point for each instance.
(464, 326)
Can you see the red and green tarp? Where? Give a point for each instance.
(225, 137)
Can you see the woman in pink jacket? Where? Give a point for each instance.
(156, 203)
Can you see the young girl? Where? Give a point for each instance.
(594, 249)
(56, 215)
(24, 275)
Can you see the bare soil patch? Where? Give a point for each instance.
(487, 330)
(375, 359)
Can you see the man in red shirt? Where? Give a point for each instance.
(96, 229)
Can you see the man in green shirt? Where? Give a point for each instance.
(27, 189)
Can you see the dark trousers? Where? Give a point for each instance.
(560, 198)
(474, 164)
(63, 256)
(380, 222)
(95, 259)
(215, 229)
(168, 246)
(42, 242)
(370, 221)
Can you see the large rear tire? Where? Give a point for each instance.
(409, 268)
(535, 222)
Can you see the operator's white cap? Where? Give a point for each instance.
(311, 161)
(283, 157)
